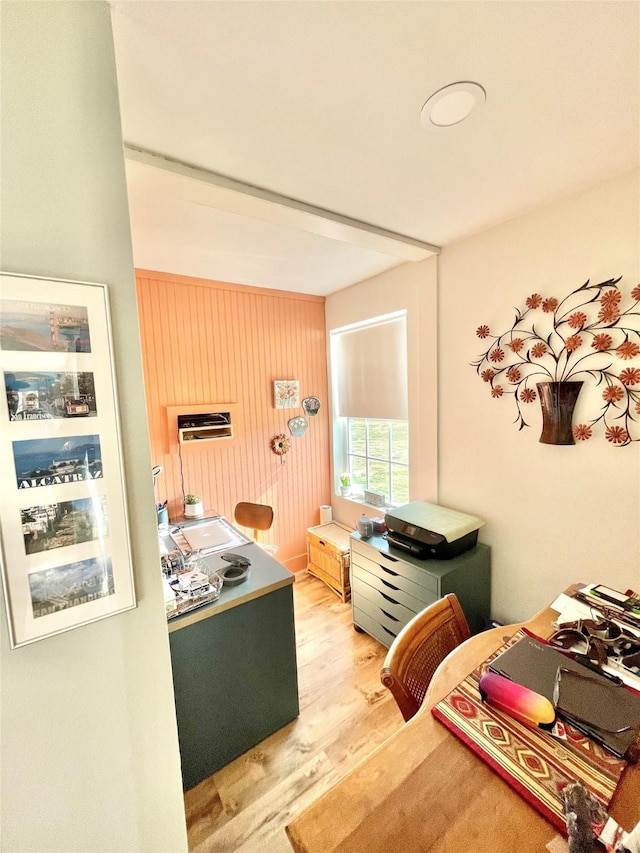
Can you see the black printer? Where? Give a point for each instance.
(428, 531)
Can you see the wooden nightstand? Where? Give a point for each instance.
(328, 556)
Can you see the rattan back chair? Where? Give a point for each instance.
(419, 649)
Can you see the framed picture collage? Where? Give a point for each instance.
(65, 553)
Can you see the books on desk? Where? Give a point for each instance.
(598, 705)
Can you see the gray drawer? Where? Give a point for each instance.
(397, 589)
(379, 632)
(393, 615)
(391, 567)
(366, 568)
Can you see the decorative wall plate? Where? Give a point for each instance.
(311, 406)
(298, 426)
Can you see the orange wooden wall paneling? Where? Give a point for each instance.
(211, 342)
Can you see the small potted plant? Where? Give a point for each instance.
(193, 506)
(345, 483)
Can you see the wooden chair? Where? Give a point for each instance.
(418, 650)
(257, 517)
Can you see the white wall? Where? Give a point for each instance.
(90, 756)
(413, 287)
(554, 515)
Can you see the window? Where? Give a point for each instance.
(371, 430)
(378, 457)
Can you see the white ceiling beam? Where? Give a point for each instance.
(200, 186)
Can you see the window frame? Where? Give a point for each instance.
(363, 402)
(347, 454)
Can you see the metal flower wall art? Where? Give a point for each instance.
(555, 346)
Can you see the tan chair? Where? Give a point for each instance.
(419, 649)
(257, 517)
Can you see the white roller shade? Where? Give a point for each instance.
(370, 369)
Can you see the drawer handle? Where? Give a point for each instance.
(391, 634)
(389, 572)
(389, 616)
(389, 585)
(321, 542)
(387, 598)
(390, 558)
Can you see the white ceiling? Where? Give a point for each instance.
(320, 102)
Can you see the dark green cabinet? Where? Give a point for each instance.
(235, 679)
(388, 588)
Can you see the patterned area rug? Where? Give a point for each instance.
(536, 764)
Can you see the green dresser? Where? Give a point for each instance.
(389, 588)
(234, 668)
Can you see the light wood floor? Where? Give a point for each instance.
(344, 713)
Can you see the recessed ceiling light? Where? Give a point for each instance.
(452, 104)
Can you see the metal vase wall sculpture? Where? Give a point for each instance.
(554, 347)
(557, 401)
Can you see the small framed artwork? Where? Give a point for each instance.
(65, 554)
(286, 393)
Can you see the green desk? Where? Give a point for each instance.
(234, 667)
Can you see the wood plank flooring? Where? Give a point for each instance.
(344, 714)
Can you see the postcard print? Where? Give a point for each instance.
(44, 396)
(63, 587)
(286, 393)
(43, 327)
(62, 524)
(55, 461)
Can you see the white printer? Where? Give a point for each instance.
(428, 531)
